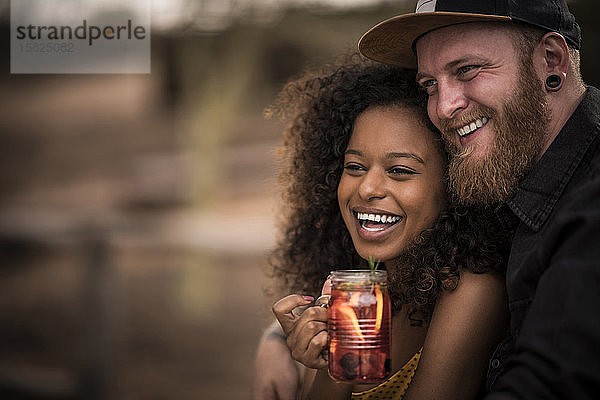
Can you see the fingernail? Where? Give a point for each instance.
(308, 298)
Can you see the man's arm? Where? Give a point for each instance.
(276, 374)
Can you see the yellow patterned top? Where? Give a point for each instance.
(395, 386)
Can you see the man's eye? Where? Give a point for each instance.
(466, 69)
(428, 83)
(428, 86)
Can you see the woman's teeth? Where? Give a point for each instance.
(381, 218)
(472, 127)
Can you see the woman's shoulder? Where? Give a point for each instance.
(476, 310)
(476, 286)
(466, 325)
(470, 280)
(475, 294)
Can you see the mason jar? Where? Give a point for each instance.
(359, 326)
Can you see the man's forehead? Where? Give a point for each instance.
(475, 30)
(452, 44)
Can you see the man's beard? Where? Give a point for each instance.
(519, 133)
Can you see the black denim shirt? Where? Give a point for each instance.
(553, 276)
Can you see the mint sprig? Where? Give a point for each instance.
(373, 265)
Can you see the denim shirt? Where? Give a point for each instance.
(552, 349)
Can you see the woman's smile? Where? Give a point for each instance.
(375, 224)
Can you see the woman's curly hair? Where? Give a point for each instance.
(461, 238)
(321, 109)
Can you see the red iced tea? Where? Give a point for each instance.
(359, 326)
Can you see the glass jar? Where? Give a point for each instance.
(359, 326)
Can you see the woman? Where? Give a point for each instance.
(365, 177)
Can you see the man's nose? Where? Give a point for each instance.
(372, 185)
(450, 99)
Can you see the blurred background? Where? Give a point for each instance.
(137, 211)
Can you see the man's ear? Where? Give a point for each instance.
(553, 54)
(556, 53)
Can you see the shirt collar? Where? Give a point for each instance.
(535, 197)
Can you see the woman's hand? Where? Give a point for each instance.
(306, 333)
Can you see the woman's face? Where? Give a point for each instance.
(392, 186)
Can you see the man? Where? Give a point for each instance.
(523, 132)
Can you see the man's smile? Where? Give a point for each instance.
(471, 127)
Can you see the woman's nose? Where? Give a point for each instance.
(372, 186)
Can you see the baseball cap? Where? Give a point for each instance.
(392, 41)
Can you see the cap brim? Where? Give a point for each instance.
(391, 41)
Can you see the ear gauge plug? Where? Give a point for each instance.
(553, 83)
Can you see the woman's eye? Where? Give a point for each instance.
(353, 167)
(402, 171)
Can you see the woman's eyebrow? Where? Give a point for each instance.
(405, 155)
(355, 152)
(390, 156)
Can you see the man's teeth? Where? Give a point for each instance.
(473, 126)
(385, 219)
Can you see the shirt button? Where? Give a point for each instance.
(495, 363)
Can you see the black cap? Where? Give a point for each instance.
(391, 41)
